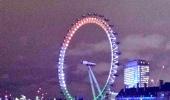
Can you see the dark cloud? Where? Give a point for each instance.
(32, 31)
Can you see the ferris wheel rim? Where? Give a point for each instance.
(113, 47)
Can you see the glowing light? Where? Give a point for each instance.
(163, 67)
(136, 73)
(114, 48)
(137, 98)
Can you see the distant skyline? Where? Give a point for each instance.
(32, 31)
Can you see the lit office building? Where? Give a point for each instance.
(136, 73)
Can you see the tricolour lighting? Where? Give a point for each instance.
(113, 47)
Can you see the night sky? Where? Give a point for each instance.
(32, 31)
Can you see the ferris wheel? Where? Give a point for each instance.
(91, 18)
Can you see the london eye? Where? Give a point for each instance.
(102, 22)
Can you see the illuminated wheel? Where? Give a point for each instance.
(101, 22)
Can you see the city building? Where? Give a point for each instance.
(136, 73)
(161, 92)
